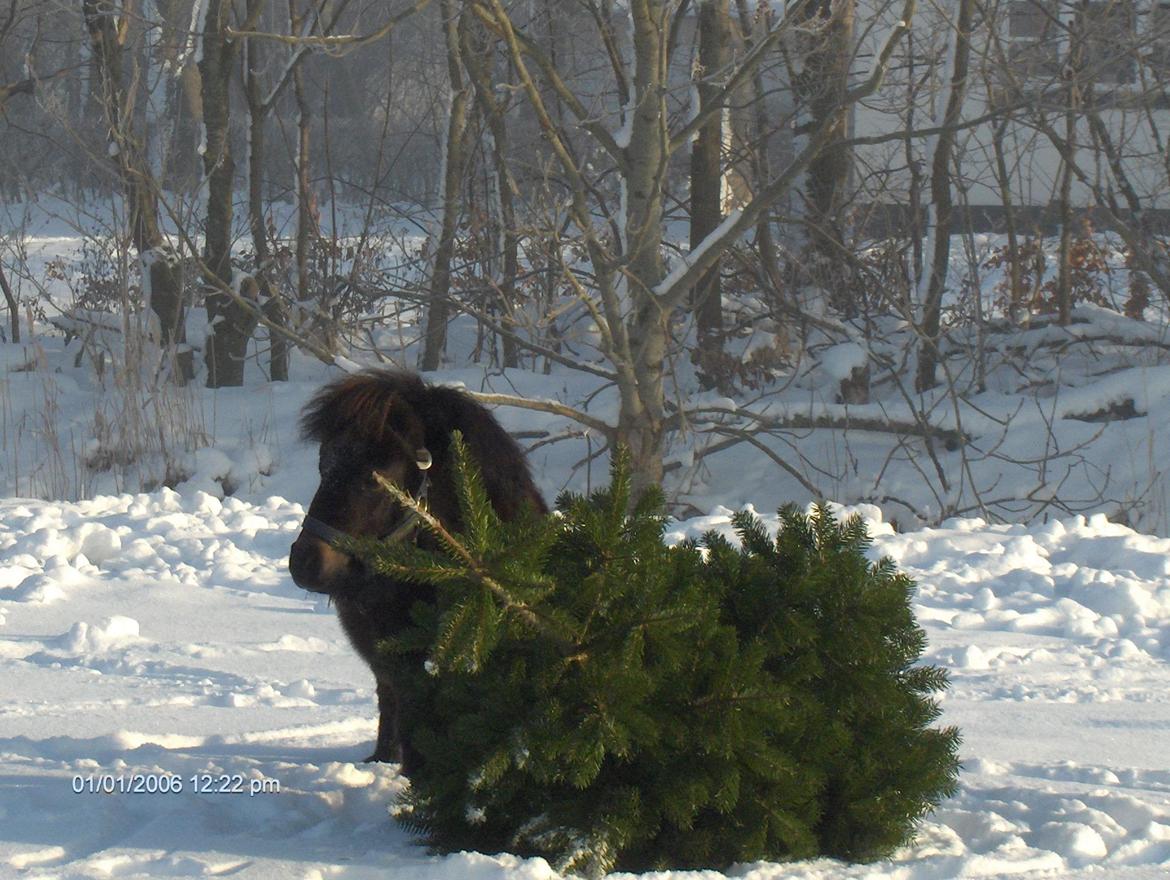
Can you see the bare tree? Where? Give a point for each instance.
(478, 52)
(230, 325)
(821, 82)
(259, 107)
(8, 90)
(308, 229)
(942, 202)
(707, 180)
(108, 23)
(13, 305)
(454, 159)
(629, 293)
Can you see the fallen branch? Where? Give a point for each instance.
(547, 406)
(951, 438)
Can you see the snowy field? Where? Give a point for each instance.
(155, 640)
(146, 639)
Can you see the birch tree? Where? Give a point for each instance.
(632, 297)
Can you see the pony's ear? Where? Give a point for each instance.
(422, 459)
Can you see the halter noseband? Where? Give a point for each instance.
(409, 524)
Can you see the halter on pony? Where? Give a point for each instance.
(409, 524)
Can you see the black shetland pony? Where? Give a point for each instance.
(396, 425)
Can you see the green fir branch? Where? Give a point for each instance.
(473, 567)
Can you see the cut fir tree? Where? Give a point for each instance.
(594, 696)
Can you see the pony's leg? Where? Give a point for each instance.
(388, 747)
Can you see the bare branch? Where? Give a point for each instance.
(7, 90)
(738, 77)
(546, 406)
(798, 421)
(671, 291)
(492, 18)
(474, 566)
(333, 44)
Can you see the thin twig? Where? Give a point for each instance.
(474, 566)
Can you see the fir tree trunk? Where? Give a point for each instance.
(454, 156)
(707, 187)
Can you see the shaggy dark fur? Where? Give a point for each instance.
(379, 421)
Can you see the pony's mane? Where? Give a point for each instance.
(376, 405)
(366, 404)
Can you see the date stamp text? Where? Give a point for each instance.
(173, 783)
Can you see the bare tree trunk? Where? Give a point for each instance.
(74, 105)
(642, 415)
(634, 299)
(1072, 70)
(821, 86)
(707, 187)
(161, 276)
(454, 159)
(262, 268)
(477, 51)
(941, 198)
(1064, 252)
(13, 306)
(1003, 178)
(260, 106)
(230, 325)
(914, 228)
(308, 228)
(760, 159)
(5, 93)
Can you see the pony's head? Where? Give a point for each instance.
(366, 425)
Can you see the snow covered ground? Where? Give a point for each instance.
(1057, 420)
(156, 640)
(149, 639)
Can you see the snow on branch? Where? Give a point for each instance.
(547, 406)
(193, 39)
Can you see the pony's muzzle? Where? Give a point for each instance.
(315, 565)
